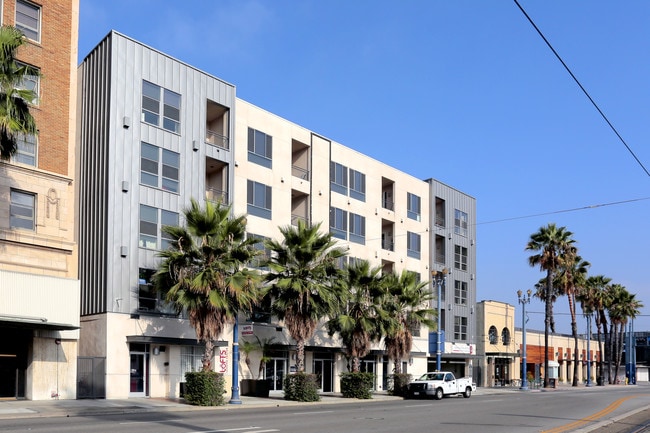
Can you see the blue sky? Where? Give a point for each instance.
(462, 91)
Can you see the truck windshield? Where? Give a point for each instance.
(433, 376)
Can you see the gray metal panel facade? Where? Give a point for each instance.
(110, 217)
(455, 199)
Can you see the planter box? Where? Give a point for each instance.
(255, 387)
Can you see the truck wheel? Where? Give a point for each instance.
(439, 394)
(468, 392)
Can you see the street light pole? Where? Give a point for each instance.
(523, 300)
(439, 278)
(589, 383)
(234, 398)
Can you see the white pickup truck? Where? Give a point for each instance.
(438, 384)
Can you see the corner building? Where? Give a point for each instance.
(39, 286)
(156, 132)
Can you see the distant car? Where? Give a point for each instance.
(438, 384)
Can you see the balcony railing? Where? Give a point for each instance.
(388, 204)
(296, 218)
(440, 258)
(440, 221)
(299, 172)
(216, 195)
(216, 139)
(388, 245)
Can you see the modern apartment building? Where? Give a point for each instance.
(39, 286)
(156, 132)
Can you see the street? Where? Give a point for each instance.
(552, 411)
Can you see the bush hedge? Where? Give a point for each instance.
(204, 388)
(301, 387)
(357, 385)
(398, 384)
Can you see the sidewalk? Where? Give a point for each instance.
(62, 408)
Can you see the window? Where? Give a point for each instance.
(460, 257)
(413, 206)
(152, 96)
(493, 335)
(505, 336)
(154, 160)
(22, 210)
(28, 19)
(460, 222)
(150, 227)
(413, 245)
(191, 359)
(460, 328)
(259, 199)
(30, 81)
(25, 149)
(357, 185)
(338, 178)
(260, 148)
(264, 254)
(357, 228)
(338, 223)
(148, 299)
(460, 292)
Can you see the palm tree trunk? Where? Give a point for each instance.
(207, 355)
(397, 366)
(619, 347)
(300, 356)
(547, 321)
(574, 331)
(601, 377)
(355, 364)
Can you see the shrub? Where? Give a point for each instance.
(301, 387)
(398, 384)
(357, 385)
(204, 388)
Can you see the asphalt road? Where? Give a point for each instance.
(587, 409)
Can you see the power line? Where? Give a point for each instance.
(593, 206)
(583, 89)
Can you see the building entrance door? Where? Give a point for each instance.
(275, 370)
(324, 370)
(139, 374)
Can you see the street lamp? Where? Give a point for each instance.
(588, 316)
(523, 300)
(439, 278)
(234, 398)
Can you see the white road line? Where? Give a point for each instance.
(227, 429)
(162, 421)
(418, 405)
(313, 413)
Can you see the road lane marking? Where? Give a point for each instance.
(606, 411)
(313, 413)
(221, 430)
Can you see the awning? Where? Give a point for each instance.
(169, 341)
(24, 322)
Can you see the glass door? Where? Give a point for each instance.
(275, 370)
(323, 369)
(139, 370)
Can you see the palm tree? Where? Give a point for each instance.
(202, 272)
(15, 117)
(408, 304)
(303, 281)
(623, 306)
(572, 278)
(361, 318)
(549, 242)
(593, 299)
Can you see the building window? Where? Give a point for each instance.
(460, 292)
(25, 149)
(22, 210)
(357, 185)
(413, 245)
(338, 223)
(154, 160)
(505, 336)
(151, 222)
(460, 222)
(357, 229)
(263, 253)
(259, 199)
(460, 328)
(493, 335)
(149, 300)
(152, 97)
(260, 148)
(413, 210)
(191, 359)
(338, 178)
(28, 20)
(460, 257)
(31, 81)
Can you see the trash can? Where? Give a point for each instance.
(552, 382)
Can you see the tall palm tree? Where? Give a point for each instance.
(549, 242)
(572, 278)
(408, 304)
(303, 281)
(15, 117)
(202, 273)
(623, 306)
(593, 299)
(361, 317)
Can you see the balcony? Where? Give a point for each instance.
(216, 196)
(299, 172)
(217, 125)
(216, 139)
(387, 244)
(296, 218)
